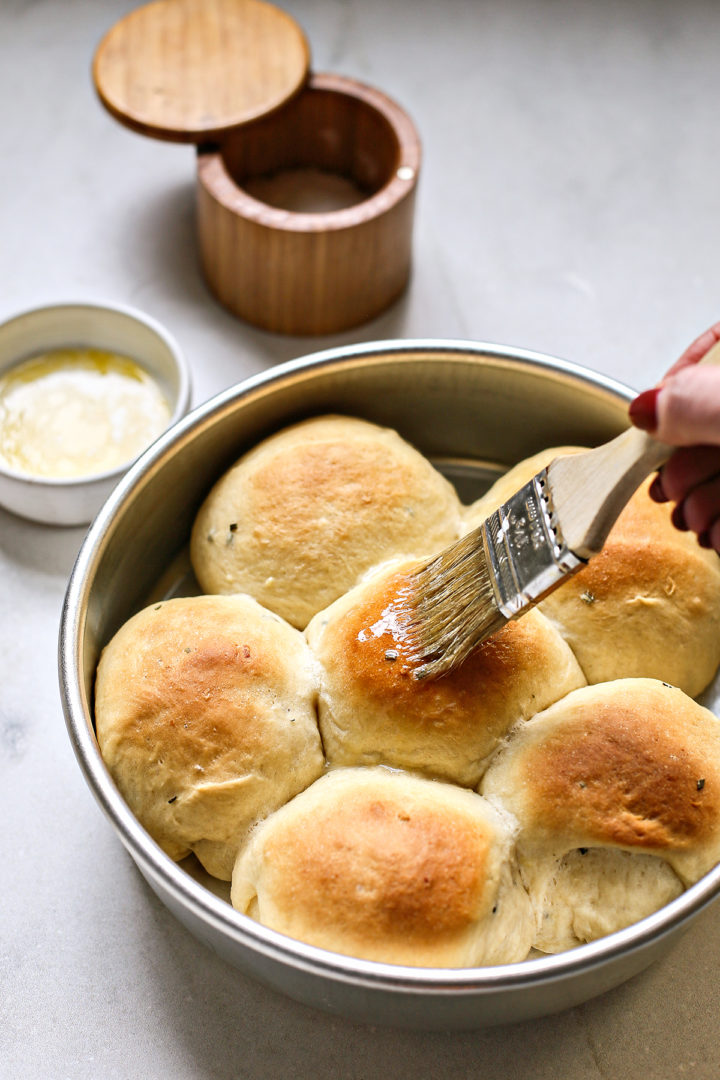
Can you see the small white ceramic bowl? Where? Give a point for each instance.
(110, 327)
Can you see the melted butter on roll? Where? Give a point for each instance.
(373, 711)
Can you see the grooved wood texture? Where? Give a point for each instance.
(190, 70)
(312, 273)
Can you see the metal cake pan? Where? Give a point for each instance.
(474, 409)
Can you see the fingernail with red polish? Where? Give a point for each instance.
(656, 491)
(704, 540)
(643, 410)
(678, 519)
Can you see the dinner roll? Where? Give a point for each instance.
(648, 605)
(387, 866)
(373, 711)
(301, 517)
(205, 716)
(616, 790)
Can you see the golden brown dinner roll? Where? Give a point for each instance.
(616, 790)
(298, 520)
(510, 482)
(205, 716)
(373, 711)
(387, 866)
(648, 605)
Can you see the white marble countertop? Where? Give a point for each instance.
(568, 203)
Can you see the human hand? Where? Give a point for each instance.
(683, 410)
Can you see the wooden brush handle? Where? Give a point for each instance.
(589, 490)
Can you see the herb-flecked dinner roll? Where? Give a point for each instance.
(301, 517)
(387, 866)
(205, 716)
(616, 791)
(373, 711)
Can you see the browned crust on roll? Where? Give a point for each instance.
(384, 865)
(640, 572)
(371, 630)
(373, 710)
(189, 688)
(205, 716)
(647, 606)
(383, 870)
(336, 475)
(301, 517)
(631, 764)
(615, 779)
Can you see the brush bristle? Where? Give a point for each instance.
(454, 607)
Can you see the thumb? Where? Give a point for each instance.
(688, 407)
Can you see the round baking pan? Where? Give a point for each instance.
(474, 409)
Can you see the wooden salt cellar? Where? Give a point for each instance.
(232, 76)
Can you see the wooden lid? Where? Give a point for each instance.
(190, 70)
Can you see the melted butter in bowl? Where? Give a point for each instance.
(78, 412)
(85, 389)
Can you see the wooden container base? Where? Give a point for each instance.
(311, 272)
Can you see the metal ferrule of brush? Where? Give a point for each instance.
(525, 548)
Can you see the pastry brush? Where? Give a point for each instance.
(542, 535)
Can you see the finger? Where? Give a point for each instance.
(677, 517)
(688, 467)
(701, 508)
(711, 538)
(656, 490)
(697, 350)
(688, 408)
